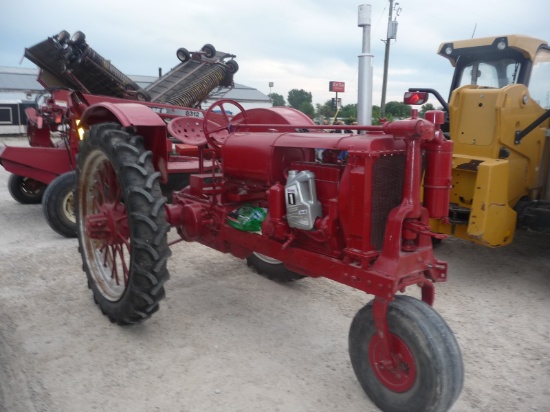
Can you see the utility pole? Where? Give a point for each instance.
(392, 33)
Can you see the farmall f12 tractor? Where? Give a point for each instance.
(498, 118)
(75, 77)
(359, 222)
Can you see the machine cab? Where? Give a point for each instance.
(496, 62)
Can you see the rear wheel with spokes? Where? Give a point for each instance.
(121, 224)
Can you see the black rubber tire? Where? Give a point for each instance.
(233, 66)
(208, 50)
(106, 151)
(176, 182)
(436, 354)
(63, 37)
(78, 39)
(143, 96)
(25, 190)
(183, 54)
(271, 268)
(58, 204)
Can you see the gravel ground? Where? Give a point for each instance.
(226, 339)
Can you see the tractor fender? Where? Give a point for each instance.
(275, 115)
(142, 119)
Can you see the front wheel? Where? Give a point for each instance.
(121, 224)
(26, 190)
(426, 372)
(58, 205)
(273, 269)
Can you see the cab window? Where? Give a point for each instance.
(495, 74)
(539, 85)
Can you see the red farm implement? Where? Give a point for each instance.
(75, 77)
(355, 216)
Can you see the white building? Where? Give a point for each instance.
(19, 89)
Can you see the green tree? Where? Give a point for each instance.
(398, 110)
(426, 107)
(349, 113)
(375, 112)
(307, 109)
(297, 97)
(277, 99)
(326, 111)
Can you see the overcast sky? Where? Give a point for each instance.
(296, 44)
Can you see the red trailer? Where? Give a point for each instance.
(355, 217)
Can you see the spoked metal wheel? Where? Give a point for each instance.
(421, 371)
(121, 224)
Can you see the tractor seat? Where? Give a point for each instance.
(188, 130)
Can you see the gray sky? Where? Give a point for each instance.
(297, 44)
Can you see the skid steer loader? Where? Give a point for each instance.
(498, 118)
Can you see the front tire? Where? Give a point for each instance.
(58, 205)
(176, 182)
(271, 268)
(430, 372)
(122, 229)
(25, 190)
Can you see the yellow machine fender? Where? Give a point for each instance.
(492, 222)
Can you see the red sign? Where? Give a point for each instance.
(339, 87)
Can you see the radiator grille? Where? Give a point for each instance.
(387, 184)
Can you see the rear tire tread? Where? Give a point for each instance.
(143, 200)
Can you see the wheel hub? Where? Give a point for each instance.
(110, 224)
(398, 373)
(32, 186)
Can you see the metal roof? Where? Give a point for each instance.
(240, 93)
(19, 79)
(16, 79)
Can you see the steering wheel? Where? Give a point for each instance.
(218, 122)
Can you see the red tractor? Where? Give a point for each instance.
(359, 216)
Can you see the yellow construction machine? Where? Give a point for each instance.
(498, 118)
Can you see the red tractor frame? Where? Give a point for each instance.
(372, 233)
